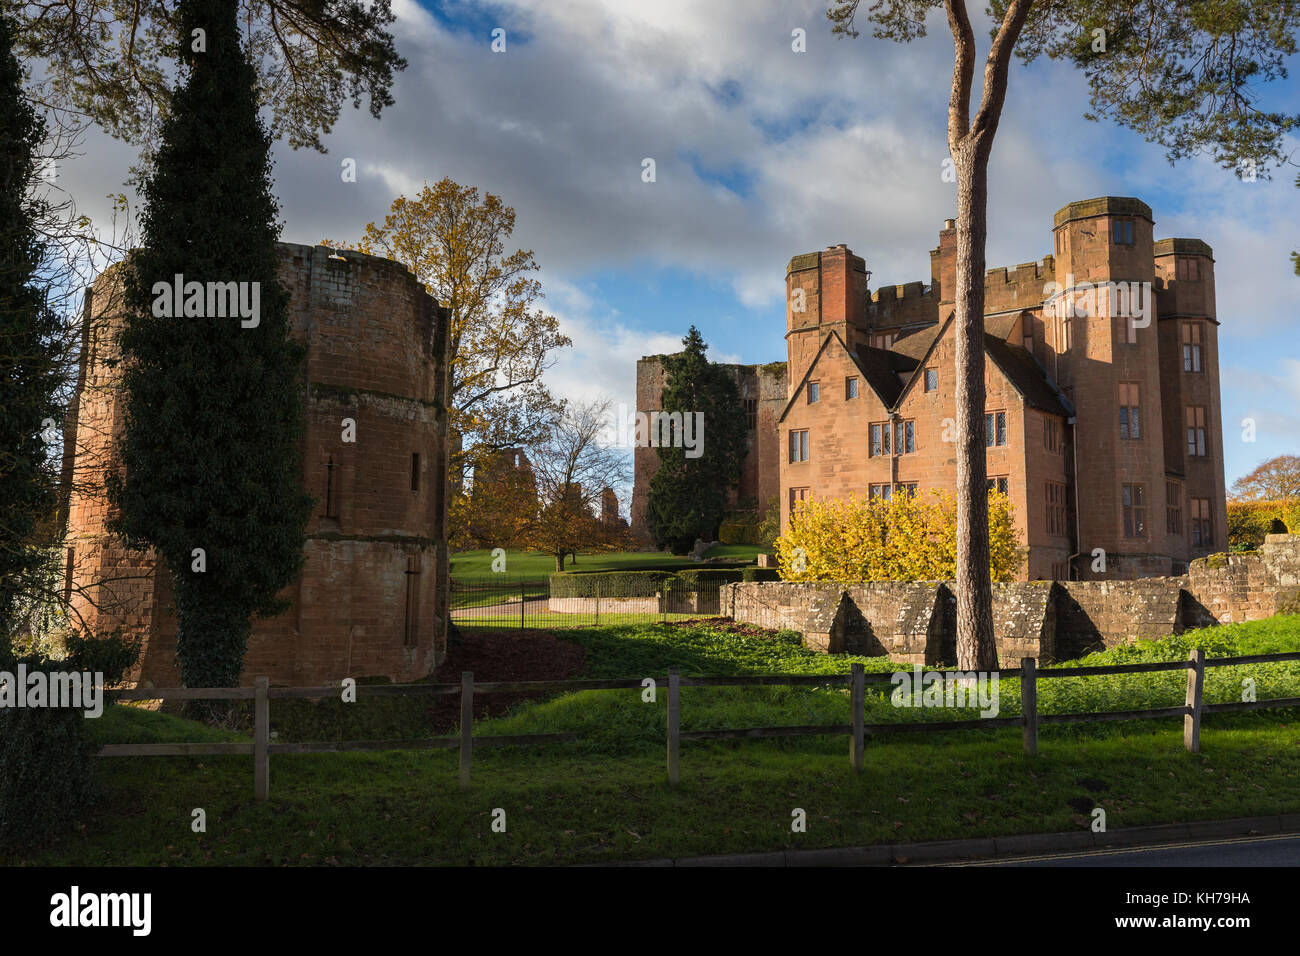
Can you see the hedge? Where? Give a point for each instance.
(761, 574)
(707, 579)
(609, 584)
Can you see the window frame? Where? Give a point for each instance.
(878, 440)
(1133, 505)
(1054, 497)
(904, 436)
(1173, 508)
(1130, 411)
(799, 446)
(1200, 526)
(995, 427)
(1193, 342)
(1195, 419)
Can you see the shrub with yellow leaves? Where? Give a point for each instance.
(909, 537)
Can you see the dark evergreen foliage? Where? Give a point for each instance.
(211, 448)
(28, 345)
(688, 495)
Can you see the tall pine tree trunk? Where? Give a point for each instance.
(970, 144)
(976, 649)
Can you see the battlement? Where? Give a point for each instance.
(813, 260)
(1183, 247)
(1023, 272)
(1102, 206)
(907, 290)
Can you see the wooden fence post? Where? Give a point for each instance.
(858, 701)
(1029, 703)
(1195, 688)
(674, 723)
(466, 725)
(261, 739)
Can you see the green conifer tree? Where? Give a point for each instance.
(211, 455)
(689, 492)
(28, 345)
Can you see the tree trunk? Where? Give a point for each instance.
(976, 649)
(559, 561)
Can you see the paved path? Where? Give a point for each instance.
(534, 607)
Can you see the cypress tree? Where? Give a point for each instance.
(28, 345)
(688, 494)
(210, 451)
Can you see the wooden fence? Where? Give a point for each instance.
(261, 693)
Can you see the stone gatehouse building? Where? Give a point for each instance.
(1102, 378)
(372, 596)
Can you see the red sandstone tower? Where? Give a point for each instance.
(372, 597)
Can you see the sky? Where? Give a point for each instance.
(761, 153)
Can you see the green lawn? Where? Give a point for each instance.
(606, 797)
(529, 565)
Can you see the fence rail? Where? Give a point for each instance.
(261, 693)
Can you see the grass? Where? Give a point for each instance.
(532, 566)
(606, 798)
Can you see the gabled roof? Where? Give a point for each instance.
(1018, 365)
(1001, 325)
(929, 338)
(917, 344)
(882, 368)
(875, 368)
(1026, 376)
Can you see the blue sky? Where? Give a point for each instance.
(761, 153)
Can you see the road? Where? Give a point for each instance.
(1238, 851)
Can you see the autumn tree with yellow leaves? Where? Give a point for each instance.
(909, 537)
(501, 341)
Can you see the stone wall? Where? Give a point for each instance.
(663, 602)
(915, 622)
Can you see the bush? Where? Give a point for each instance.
(761, 574)
(46, 774)
(769, 529)
(738, 532)
(904, 538)
(1250, 521)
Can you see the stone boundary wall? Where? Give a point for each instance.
(666, 602)
(915, 621)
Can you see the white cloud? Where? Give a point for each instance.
(844, 143)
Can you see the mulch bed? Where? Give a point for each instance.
(514, 655)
